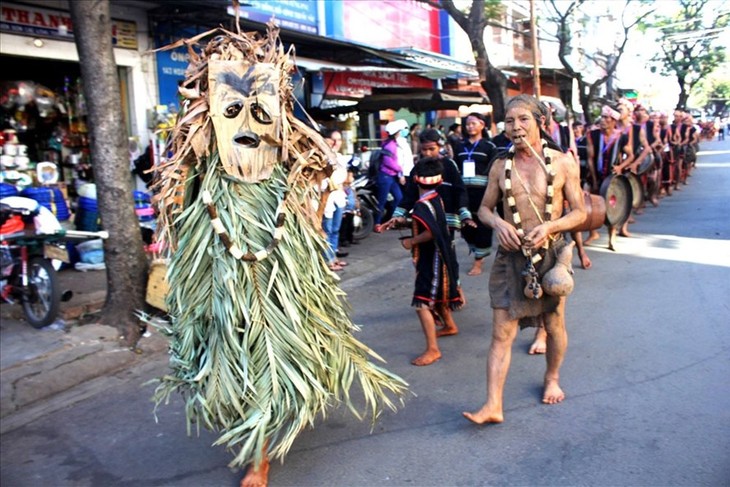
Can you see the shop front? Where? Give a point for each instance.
(43, 117)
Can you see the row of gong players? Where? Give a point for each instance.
(630, 160)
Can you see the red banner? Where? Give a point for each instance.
(357, 85)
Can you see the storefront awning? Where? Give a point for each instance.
(431, 65)
(318, 65)
(416, 100)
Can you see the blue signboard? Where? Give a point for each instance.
(298, 15)
(171, 67)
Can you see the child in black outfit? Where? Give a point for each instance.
(436, 287)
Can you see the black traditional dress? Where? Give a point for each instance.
(435, 260)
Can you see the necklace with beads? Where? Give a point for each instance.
(533, 288)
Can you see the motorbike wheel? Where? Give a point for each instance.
(367, 222)
(42, 301)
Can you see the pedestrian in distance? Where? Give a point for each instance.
(532, 182)
(390, 173)
(335, 203)
(351, 209)
(434, 259)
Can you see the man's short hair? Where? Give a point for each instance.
(430, 135)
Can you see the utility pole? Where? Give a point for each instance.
(535, 53)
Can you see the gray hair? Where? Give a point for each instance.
(529, 102)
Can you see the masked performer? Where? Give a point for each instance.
(261, 341)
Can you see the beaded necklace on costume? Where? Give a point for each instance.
(530, 273)
(233, 248)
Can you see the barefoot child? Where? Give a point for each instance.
(433, 256)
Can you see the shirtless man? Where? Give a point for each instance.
(531, 222)
(606, 147)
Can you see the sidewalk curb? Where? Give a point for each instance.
(89, 351)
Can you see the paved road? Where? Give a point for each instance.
(646, 378)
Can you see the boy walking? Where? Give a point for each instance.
(434, 259)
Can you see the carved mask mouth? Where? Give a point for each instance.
(247, 140)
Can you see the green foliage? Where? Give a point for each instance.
(689, 49)
(493, 9)
(713, 91)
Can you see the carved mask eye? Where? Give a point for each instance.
(260, 114)
(232, 110)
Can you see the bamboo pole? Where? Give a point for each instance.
(535, 53)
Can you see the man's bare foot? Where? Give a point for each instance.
(553, 393)
(591, 237)
(625, 233)
(654, 201)
(258, 477)
(485, 415)
(447, 331)
(585, 261)
(428, 357)
(476, 268)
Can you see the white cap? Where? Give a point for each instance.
(396, 126)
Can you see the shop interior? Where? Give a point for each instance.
(44, 138)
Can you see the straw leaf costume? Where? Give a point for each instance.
(261, 341)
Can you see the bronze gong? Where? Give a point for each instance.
(646, 165)
(616, 192)
(637, 190)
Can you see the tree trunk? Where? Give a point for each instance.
(124, 255)
(495, 84)
(493, 80)
(683, 95)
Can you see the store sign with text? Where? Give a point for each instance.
(392, 24)
(357, 85)
(171, 66)
(300, 16)
(56, 24)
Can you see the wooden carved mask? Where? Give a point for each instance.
(246, 114)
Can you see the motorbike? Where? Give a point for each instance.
(27, 273)
(364, 191)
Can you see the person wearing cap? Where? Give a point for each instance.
(390, 173)
(474, 155)
(607, 146)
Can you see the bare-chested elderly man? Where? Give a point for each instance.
(532, 182)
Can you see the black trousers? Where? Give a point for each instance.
(347, 228)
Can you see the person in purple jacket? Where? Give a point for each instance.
(390, 175)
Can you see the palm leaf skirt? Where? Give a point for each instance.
(259, 349)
